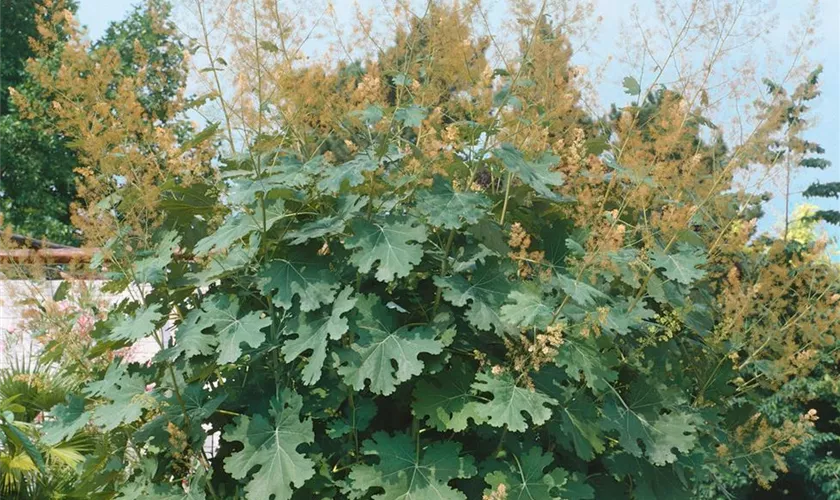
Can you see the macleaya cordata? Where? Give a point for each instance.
(426, 276)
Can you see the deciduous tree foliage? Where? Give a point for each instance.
(36, 166)
(38, 177)
(434, 278)
(791, 122)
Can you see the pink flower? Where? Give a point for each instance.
(85, 323)
(125, 352)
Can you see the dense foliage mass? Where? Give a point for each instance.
(38, 162)
(423, 276)
(36, 167)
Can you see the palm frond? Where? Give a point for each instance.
(35, 386)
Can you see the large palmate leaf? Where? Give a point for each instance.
(466, 258)
(444, 207)
(370, 115)
(674, 431)
(553, 244)
(529, 308)
(383, 353)
(485, 292)
(681, 266)
(67, 421)
(196, 401)
(489, 233)
(348, 206)
(235, 259)
(395, 246)
(535, 173)
(193, 403)
(189, 338)
(152, 269)
(307, 278)
(628, 265)
(446, 401)
(291, 173)
(631, 86)
(221, 313)
(183, 203)
(232, 330)
(236, 227)
(135, 490)
(288, 173)
(509, 402)
(584, 360)
(356, 418)
(313, 331)
(405, 472)
(246, 190)
(528, 479)
(638, 418)
(271, 446)
(411, 116)
(125, 397)
(351, 172)
(576, 426)
(625, 315)
(584, 294)
(240, 225)
(137, 326)
(667, 292)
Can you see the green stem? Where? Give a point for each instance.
(501, 442)
(444, 267)
(507, 197)
(177, 390)
(206, 464)
(180, 399)
(415, 432)
(215, 73)
(275, 354)
(353, 418)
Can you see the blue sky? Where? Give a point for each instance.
(97, 14)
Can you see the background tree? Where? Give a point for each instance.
(148, 41)
(818, 189)
(38, 177)
(787, 119)
(37, 183)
